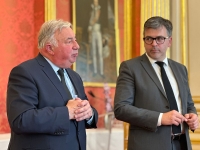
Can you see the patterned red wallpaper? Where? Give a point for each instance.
(17, 32)
(20, 22)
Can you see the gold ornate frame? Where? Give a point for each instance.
(50, 10)
(97, 83)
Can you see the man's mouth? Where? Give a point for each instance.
(75, 55)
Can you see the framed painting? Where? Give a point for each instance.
(95, 23)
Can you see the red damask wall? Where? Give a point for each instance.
(19, 21)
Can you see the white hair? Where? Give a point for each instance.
(47, 31)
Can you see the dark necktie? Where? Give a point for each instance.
(170, 95)
(61, 74)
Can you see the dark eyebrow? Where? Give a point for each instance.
(155, 37)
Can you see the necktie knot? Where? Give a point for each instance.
(160, 63)
(61, 72)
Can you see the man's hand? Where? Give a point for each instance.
(192, 121)
(73, 105)
(79, 109)
(84, 111)
(172, 117)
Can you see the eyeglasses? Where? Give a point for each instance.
(159, 39)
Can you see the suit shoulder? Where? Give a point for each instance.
(28, 63)
(176, 63)
(133, 60)
(71, 71)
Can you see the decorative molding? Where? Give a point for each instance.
(184, 32)
(128, 6)
(196, 99)
(151, 8)
(117, 36)
(50, 10)
(180, 26)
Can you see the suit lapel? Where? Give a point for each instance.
(73, 80)
(179, 80)
(151, 72)
(75, 83)
(47, 69)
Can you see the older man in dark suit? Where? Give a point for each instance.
(153, 95)
(46, 104)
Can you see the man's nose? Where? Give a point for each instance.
(154, 42)
(76, 46)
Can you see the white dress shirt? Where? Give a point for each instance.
(172, 81)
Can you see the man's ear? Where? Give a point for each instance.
(170, 42)
(49, 49)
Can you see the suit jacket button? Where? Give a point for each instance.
(167, 107)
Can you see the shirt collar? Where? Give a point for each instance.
(152, 61)
(54, 67)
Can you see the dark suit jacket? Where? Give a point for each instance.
(36, 109)
(140, 98)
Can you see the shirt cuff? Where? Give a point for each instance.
(159, 119)
(89, 121)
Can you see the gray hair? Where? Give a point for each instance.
(47, 31)
(157, 22)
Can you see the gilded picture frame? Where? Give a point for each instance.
(95, 23)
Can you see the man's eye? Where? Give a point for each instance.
(148, 38)
(69, 41)
(160, 38)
